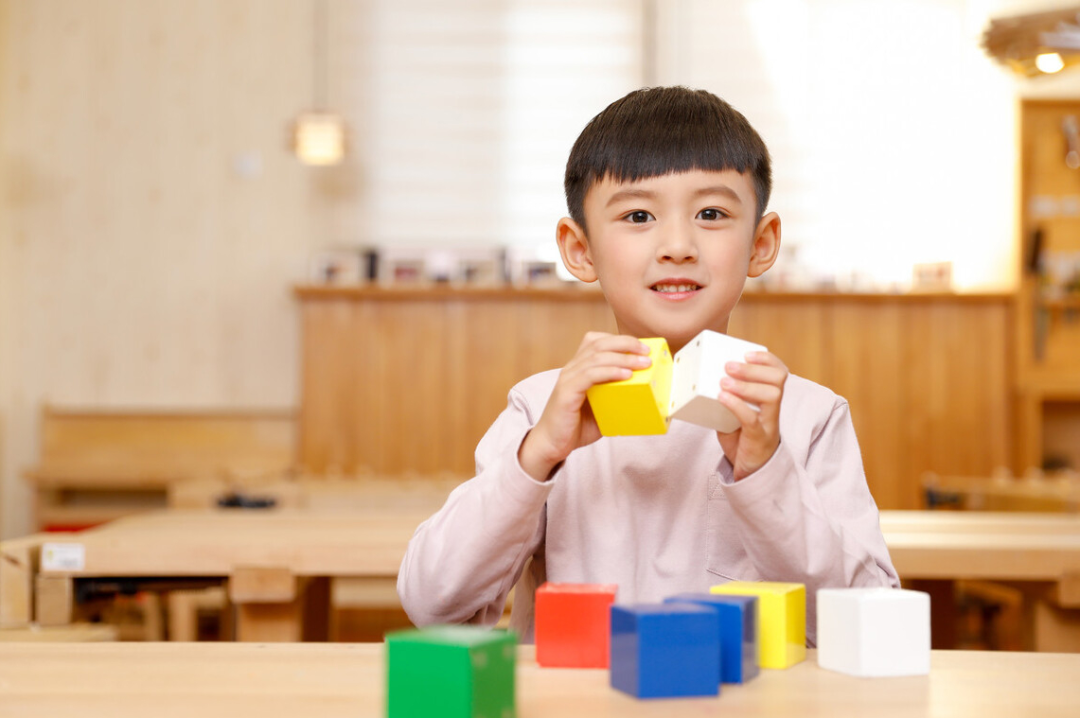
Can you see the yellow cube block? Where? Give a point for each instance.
(638, 405)
(782, 618)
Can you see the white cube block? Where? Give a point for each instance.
(695, 380)
(873, 631)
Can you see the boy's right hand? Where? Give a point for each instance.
(567, 421)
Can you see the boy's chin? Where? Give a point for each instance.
(678, 338)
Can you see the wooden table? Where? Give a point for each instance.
(1037, 553)
(277, 564)
(327, 680)
(1004, 546)
(273, 560)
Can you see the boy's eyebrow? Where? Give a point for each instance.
(630, 194)
(719, 189)
(722, 189)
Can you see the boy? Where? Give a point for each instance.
(667, 190)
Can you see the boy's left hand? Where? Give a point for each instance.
(759, 381)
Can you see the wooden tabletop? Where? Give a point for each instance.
(923, 544)
(983, 545)
(214, 543)
(327, 680)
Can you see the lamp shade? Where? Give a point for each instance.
(319, 138)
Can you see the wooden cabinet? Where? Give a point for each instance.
(399, 381)
(1048, 317)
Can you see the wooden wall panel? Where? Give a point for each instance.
(408, 381)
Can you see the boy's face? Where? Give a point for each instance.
(671, 253)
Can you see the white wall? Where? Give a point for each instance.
(893, 135)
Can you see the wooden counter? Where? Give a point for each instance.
(400, 380)
(229, 680)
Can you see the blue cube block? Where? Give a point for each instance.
(665, 650)
(738, 632)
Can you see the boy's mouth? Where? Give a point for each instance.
(675, 286)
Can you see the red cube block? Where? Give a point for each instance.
(573, 624)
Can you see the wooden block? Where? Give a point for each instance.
(573, 624)
(695, 384)
(665, 650)
(873, 631)
(451, 671)
(262, 585)
(638, 405)
(738, 632)
(54, 600)
(783, 619)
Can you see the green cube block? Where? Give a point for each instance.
(452, 671)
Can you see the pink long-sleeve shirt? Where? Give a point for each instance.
(656, 515)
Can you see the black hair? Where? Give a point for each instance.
(656, 131)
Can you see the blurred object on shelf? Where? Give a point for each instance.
(932, 277)
(337, 266)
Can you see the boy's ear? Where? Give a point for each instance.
(766, 245)
(574, 248)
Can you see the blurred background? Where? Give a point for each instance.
(156, 220)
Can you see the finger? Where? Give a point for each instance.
(621, 360)
(757, 373)
(747, 415)
(753, 392)
(580, 375)
(730, 444)
(600, 341)
(765, 359)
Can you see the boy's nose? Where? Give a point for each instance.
(677, 245)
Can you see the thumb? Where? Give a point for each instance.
(730, 444)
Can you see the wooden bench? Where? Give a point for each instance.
(96, 466)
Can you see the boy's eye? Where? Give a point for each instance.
(638, 217)
(711, 214)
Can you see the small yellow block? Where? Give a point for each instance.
(638, 405)
(782, 617)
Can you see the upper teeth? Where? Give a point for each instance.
(675, 287)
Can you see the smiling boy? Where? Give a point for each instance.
(667, 190)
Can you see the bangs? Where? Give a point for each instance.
(660, 131)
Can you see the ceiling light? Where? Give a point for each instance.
(1035, 44)
(1049, 62)
(319, 136)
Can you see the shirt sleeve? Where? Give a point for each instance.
(462, 562)
(807, 515)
